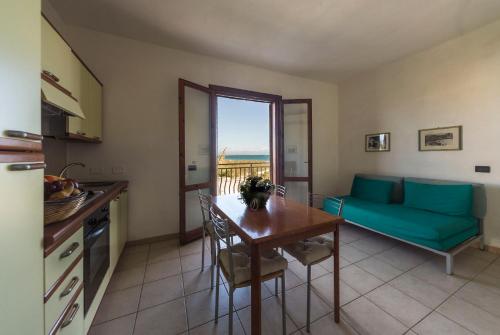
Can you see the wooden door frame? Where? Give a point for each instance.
(309, 179)
(184, 236)
(275, 110)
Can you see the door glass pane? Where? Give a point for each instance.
(197, 136)
(193, 210)
(296, 140)
(298, 191)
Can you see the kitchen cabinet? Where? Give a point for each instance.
(74, 76)
(20, 76)
(118, 209)
(90, 98)
(21, 172)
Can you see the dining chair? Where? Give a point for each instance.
(234, 261)
(205, 205)
(312, 251)
(280, 190)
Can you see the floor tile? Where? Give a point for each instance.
(197, 280)
(379, 269)
(367, 318)
(469, 316)
(242, 296)
(296, 305)
(136, 249)
(373, 245)
(352, 254)
(219, 328)
(191, 248)
(167, 244)
(437, 276)
(405, 309)
(193, 261)
(493, 270)
(403, 257)
(327, 264)
(323, 286)
(165, 319)
(163, 254)
(122, 326)
(437, 324)
(420, 290)
(487, 281)
(118, 304)
(359, 279)
(482, 254)
(133, 260)
(161, 270)
(480, 296)
(301, 270)
(271, 318)
(161, 291)
(291, 281)
(327, 326)
(125, 279)
(201, 306)
(467, 266)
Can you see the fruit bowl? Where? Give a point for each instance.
(60, 209)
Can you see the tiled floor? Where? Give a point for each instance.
(386, 288)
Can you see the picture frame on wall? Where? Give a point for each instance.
(440, 139)
(379, 142)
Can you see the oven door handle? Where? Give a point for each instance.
(97, 233)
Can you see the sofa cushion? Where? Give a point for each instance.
(444, 199)
(372, 190)
(433, 230)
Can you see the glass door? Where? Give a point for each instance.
(297, 149)
(195, 150)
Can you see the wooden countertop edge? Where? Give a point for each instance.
(56, 233)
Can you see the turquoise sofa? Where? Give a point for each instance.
(441, 216)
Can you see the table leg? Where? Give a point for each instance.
(336, 275)
(255, 270)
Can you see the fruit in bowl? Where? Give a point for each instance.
(56, 188)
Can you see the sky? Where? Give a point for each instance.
(243, 127)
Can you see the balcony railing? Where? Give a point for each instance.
(231, 175)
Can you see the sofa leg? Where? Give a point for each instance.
(449, 264)
(481, 243)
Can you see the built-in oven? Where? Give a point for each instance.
(96, 253)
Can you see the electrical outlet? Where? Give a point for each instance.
(95, 171)
(117, 170)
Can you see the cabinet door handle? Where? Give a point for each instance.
(23, 134)
(70, 287)
(70, 250)
(71, 315)
(26, 167)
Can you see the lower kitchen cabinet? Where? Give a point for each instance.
(118, 209)
(73, 322)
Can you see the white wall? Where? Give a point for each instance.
(140, 124)
(455, 83)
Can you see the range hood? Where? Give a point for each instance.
(54, 98)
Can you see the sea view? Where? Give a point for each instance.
(247, 158)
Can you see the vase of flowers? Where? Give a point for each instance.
(255, 191)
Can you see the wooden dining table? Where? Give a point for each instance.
(281, 222)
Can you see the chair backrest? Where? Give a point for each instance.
(205, 204)
(280, 190)
(221, 229)
(335, 205)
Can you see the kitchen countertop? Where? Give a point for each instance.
(56, 233)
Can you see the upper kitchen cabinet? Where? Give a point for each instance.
(90, 97)
(81, 96)
(20, 121)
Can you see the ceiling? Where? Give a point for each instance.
(327, 40)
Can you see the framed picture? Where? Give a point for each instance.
(440, 139)
(378, 142)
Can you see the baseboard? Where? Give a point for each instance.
(153, 239)
(489, 248)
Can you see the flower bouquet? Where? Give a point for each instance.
(255, 191)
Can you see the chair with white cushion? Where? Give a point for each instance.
(234, 261)
(312, 251)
